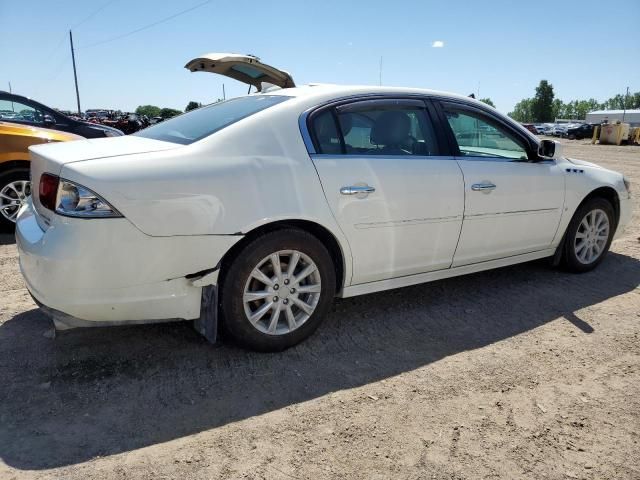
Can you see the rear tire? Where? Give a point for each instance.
(589, 235)
(277, 290)
(15, 187)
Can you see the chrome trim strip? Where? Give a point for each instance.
(362, 156)
(504, 160)
(409, 222)
(304, 131)
(508, 214)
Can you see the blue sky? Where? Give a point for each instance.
(501, 47)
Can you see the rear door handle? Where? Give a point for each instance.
(483, 187)
(356, 189)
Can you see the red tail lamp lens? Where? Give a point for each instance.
(48, 190)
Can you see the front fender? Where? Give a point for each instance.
(581, 179)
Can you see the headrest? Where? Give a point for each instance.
(390, 128)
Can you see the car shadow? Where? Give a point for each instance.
(7, 238)
(99, 392)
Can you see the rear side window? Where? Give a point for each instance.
(376, 127)
(202, 122)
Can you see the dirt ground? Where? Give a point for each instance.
(524, 372)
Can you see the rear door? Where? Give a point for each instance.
(398, 200)
(244, 68)
(513, 203)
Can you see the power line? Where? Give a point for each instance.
(91, 15)
(48, 58)
(55, 49)
(54, 75)
(118, 37)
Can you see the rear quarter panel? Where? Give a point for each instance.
(251, 173)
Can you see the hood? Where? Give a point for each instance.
(244, 68)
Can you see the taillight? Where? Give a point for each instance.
(48, 190)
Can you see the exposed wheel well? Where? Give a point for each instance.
(318, 231)
(609, 194)
(14, 164)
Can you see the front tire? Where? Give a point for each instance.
(277, 290)
(589, 235)
(15, 187)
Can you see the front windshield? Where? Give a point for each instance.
(202, 122)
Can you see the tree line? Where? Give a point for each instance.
(154, 111)
(544, 107)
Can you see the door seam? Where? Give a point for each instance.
(464, 210)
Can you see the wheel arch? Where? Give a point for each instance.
(323, 234)
(607, 193)
(14, 165)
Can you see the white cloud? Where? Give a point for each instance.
(438, 44)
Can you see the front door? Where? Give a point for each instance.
(513, 203)
(398, 201)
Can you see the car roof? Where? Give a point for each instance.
(326, 89)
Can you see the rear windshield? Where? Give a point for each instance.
(197, 124)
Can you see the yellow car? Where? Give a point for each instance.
(15, 187)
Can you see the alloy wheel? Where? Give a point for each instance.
(591, 236)
(282, 292)
(12, 197)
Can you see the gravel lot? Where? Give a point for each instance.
(522, 372)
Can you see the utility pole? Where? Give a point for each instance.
(224, 95)
(624, 111)
(75, 75)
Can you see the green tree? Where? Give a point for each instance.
(148, 110)
(543, 102)
(615, 103)
(559, 109)
(488, 102)
(192, 106)
(618, 102)
(169, 112)
(585, 106)
(523, 111)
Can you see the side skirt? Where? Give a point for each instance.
(399, 282)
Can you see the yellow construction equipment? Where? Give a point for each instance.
(614, 133)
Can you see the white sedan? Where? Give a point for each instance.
(255, 212)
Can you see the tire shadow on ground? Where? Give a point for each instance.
(99, 392)
(7, 238)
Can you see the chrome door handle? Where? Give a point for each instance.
(482, 187)
(356, 189)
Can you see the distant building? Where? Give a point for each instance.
(630, 116)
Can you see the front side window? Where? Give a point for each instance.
(476, 137)
(202, 122)
(375, 127)
(11, 111)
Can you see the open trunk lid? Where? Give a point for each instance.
(244, 68)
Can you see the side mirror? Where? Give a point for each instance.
(48, 120)
(550, 149)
